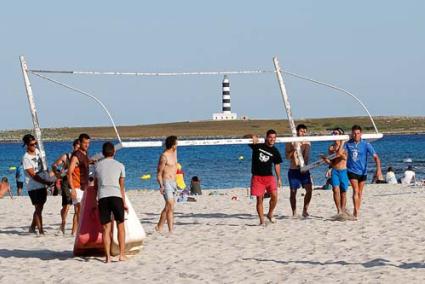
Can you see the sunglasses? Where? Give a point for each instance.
(32, 144)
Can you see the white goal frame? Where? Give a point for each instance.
(196, 142)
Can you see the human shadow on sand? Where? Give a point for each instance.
(23, 231)
(369, 264)
(14, 232)
(208, 215)
(43, 254)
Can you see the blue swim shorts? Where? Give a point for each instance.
(340, 178)
(297, 178)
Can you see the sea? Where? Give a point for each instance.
(223, 167)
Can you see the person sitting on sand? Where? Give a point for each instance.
(339, 178)
(5, 187)
(166, 177)
(264, 156)
(295, 176)
(195, 186)
(109, 183)
(390, 177)
(409, 176)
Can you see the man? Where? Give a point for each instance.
(63, 163)
(36, 185)
(109, 183)
(339, 178)
(20, 179)
(264, 156)
(295, 176)
(358, 151)
(78, 173)
(166, 177)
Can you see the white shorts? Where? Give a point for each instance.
(79, 196)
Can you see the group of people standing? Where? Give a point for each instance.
(74, 170)
(348, 163)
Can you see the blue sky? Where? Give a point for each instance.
(375, 49)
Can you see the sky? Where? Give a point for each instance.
(374, 49)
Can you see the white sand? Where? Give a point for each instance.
(217, 241)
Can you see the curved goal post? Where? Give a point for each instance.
(196, 142)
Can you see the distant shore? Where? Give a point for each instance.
(389, 125)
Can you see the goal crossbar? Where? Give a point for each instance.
(236, 141)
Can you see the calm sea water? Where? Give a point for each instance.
(220, 166)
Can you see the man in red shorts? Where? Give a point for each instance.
(264, 156)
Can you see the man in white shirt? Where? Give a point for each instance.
(409, 176)
(36, 185)
(109, 183)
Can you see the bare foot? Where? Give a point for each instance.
(122, 258)
(305, 214)
(108, 259)
(158, 229)
(271, 219)
(31, 230)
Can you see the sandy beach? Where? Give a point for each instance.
(217, 240)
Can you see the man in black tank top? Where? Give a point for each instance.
(60, 167)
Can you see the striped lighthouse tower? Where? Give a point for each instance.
(227, 107)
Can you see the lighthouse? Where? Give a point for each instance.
(226, 113)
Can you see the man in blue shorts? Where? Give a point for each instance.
(339, 177)
(295, 176)
(358, 151)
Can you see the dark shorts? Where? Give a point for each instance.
(297, 178)
(19, 184)
(357, 177)
(110, 205)
(66, 192)
(38, 196)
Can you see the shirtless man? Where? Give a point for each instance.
(339, 177)
(166, 177)
(78, 173)
(64, 162)
(295, 176)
